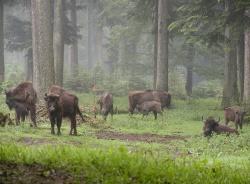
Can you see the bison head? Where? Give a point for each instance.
(239, 116)
(209, 126)
(52, 102)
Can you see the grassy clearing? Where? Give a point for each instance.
(193, 159)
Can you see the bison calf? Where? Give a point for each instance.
(5, 119)
(211, 125)
(59, 106)
(150, 106)
(235, 114)
(106, 105)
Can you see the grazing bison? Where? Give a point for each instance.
(59, 106)
(138, 97)
(211, 125)
(22, 97)
(235, 114)
(150, 106)
(5, 119)
(106, 105)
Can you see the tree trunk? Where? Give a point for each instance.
(42, 44)
(2, 67)
(73, 48)
(189, 68)
(58, 42)
(230, 89)
(91, 33)
(155, 42)
(29, 66)
(247, 71)
(240, 63)
(162, 48)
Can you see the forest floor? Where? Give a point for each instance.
(127, 149)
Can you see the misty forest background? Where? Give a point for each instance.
(197, 48)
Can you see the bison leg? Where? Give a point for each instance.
(17, 118)
(155, 114)
(52, 121)
(240, 125)
(58, 124)
(23, 117)
(33, 114)
(73, 126)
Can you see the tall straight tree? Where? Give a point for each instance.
(42, 44)
(73, 48)
(230, 89)
(92, 32)
(247, 71)
(58, 41)
(189, 67)
(162, 49)
(155, 42)
(1, 43)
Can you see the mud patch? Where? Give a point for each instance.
(32, 141)
(31, 174)
(147, 137)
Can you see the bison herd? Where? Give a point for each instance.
(62, 104)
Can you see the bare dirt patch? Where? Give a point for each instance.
(147, 137)
(35, 141)
(32, 174)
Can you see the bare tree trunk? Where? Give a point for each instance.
(42, 44)
(155, 42)
(189, 67)
(240, 63)
(98, 44)
(73, 48)
(230, 89)
(2, 66)
(162, 49)
(58, 42)
(91, 33)
(247, 71)
(29, 66)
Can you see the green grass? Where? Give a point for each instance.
(195, 159)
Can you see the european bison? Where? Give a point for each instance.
(24, 95)
(235, 114)
(5, 119)
(106, 105)
(56, 90)
(138, 97)
(150, 106)
(59, 106)
(211, 125)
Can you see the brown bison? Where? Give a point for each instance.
(211, 125)
(5, 119)
(56, 90)
(235, 114)
(23, 99)
(60, 106)
(150, 106)
(138, 97)
(106, 105)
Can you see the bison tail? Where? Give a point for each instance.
(80, 113)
